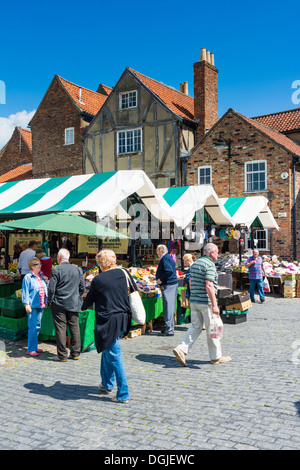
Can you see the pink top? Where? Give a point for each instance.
(41, 292)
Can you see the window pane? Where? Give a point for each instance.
(256, 176)
(132, 99)
(69, 136)
(204, 175)
(129, 141)
(122, 142)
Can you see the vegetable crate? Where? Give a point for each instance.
(12, 307)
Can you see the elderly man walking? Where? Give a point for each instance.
(65, 289)
(204, 285)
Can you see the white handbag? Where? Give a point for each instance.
(136, 304)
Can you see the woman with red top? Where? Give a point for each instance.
(46, 263)
(34, 297)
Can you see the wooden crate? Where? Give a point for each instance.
(242, 306)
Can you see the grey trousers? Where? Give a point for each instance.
(169, 296)
(63, 319)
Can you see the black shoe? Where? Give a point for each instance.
(166, 334)
(262, 300)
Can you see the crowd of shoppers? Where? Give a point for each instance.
(62, 288)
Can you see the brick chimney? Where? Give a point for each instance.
(205, 93)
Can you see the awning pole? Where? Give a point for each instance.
(6, 248)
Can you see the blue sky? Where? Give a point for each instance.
(256, 47)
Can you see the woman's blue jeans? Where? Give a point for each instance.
(34, 326)
(112, 367)
(259, 283)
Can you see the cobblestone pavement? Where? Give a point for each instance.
(250, 403)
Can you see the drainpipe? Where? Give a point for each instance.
(296, 161)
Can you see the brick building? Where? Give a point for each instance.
(258, 160)
(17, 151)
(57, 145)
(147, 125)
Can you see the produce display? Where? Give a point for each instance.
(8, 276)
(274, 267)
(146, 281)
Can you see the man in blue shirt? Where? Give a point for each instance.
(256, 272)
(166, 278)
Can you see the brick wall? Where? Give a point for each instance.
(15, 153)
(228, 177)
(50, 156)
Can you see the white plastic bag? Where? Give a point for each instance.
(266, 285)
(216, 327)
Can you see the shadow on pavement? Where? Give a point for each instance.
(61, 391)
(168, 362)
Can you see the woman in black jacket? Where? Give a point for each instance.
(109, 292)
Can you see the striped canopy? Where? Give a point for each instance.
(244, 210)
(184, 201)
(99, 192)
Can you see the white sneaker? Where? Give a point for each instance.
(222, 360)
(180, 356)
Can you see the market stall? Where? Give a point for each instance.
(244, 211)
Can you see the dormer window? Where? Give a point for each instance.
(128, 99)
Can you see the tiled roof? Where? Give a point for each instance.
(283, 121)
(22, 172)
(27, 136)
(179, 103)
(89, 101)
(274, 135)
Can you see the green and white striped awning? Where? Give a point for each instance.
(244, 211)
(183, 202)
(100, 193)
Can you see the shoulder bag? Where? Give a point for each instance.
(135, 302)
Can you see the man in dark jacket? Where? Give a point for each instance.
(167, 281)
(65, 289)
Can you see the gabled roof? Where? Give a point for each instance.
(284, 121)
(22, 172)
(277, 137)
(179, 103)
(88, 101)
(27, 136)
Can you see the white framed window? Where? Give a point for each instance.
(69, 136)
(128, 99)
(204, 175)
(261, 235)
(255, 176)
(130, 141)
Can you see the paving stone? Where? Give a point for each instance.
(249, 403)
